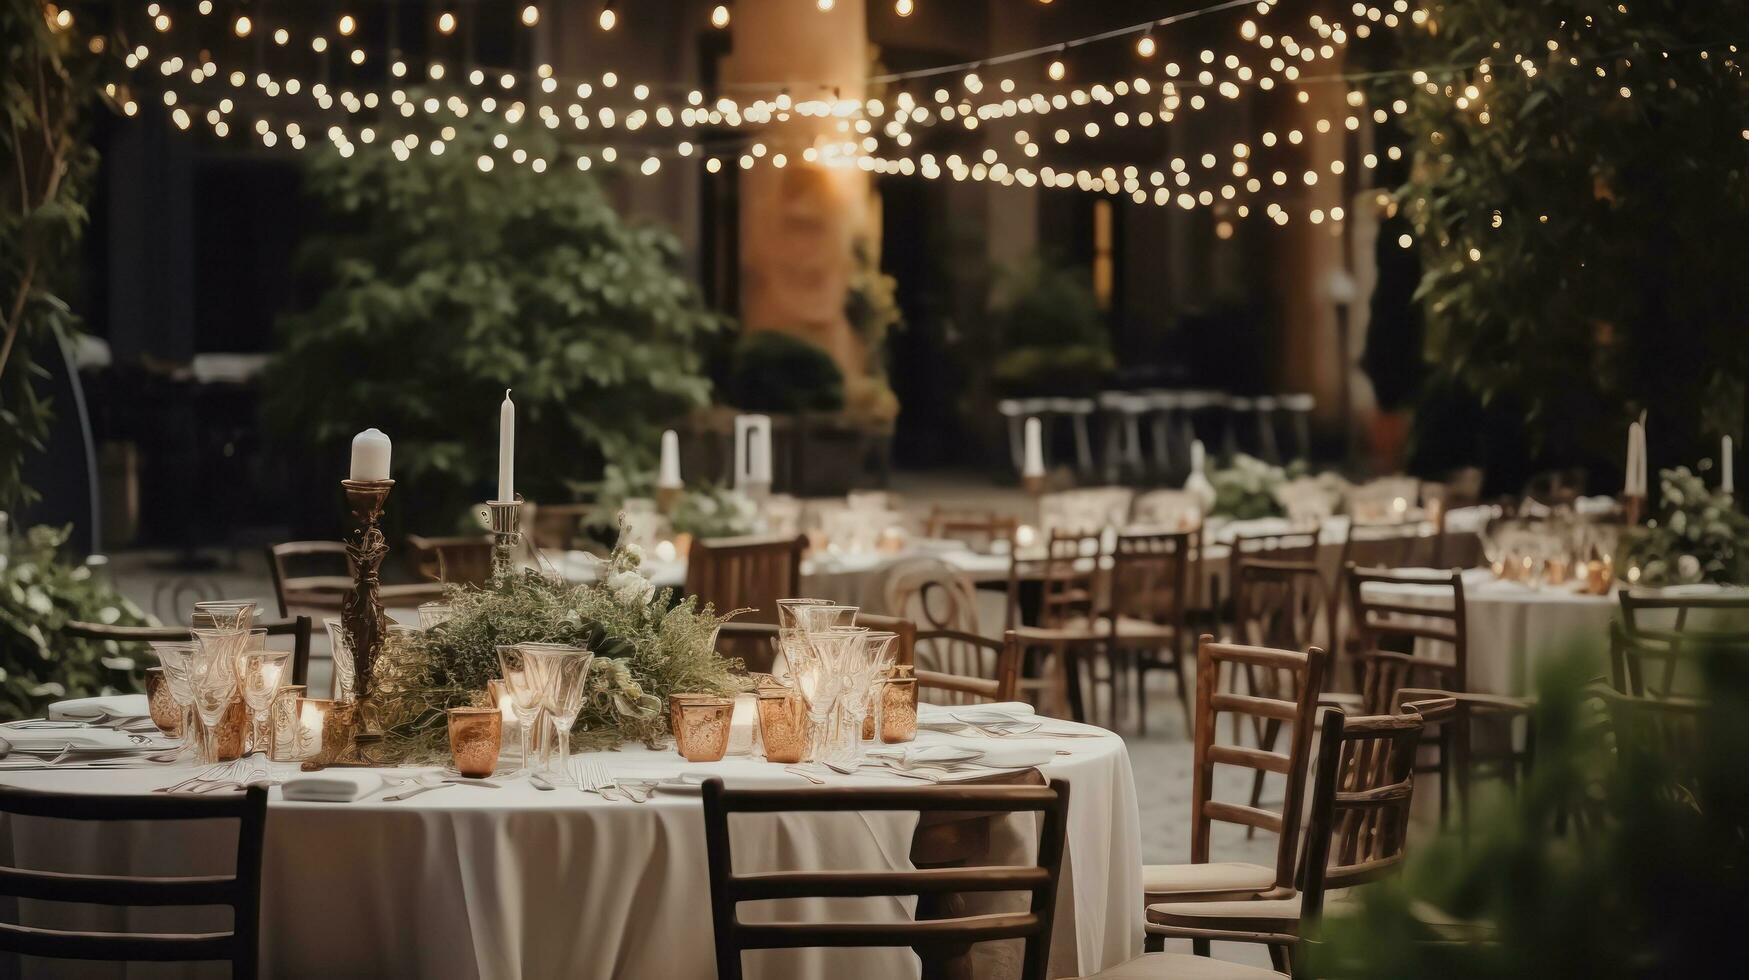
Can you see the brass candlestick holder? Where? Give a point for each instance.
(504, 517)
(361, 612)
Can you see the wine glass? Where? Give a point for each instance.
(565, 670)
(224, 614)
(877, 658)
(836, 655)
(212, 675)
(260, 677)
(523, 678)
(788, 636)
(174, 656)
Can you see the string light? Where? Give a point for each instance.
(904, 7)
(242, 25)
(608, 18)
(530, 15)
(720, 16)
(1145, 46)
(446, 23)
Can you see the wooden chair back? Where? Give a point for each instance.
(1404, 645)
(1376, 786)
(1069, 585)
(240, 890)
(937, 941)
(1280, 604)
(295, 589)
(932, 594)
(1298, 546)
(298, 628)
(1655, 645)
(749, 573)
(1152, 577)
(1399, 545)
(1659, 740)
(964, 668)
(1218, 667)
(977, 529)
(464, 560)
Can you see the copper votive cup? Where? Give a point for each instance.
(164, 710)
(703, 735)
(475, 735)
(783, 724)
(229, 734)
(899, 709)
(674, 703)
(325, 729)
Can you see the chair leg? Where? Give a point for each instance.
(1153, 943)
(1183, 692)
(1278, 958)
(1200, 947)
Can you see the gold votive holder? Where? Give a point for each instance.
(1599, 576)
(166, 714)
(282, 724)
(325, 730)
(229, 734)
(475, 735)
(674, 703)
(899, 708)
(783, 724)
(703, 735)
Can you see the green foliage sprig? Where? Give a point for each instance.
(40, 593)
(1245, 490)
(646, 645)
(1699, 535)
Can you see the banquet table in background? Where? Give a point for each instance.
(473, 882)
(1511, 625)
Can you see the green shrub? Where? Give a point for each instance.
(775, 372)
(40, 593)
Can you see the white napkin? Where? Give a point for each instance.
(114, 704)
(983, 714)
(333, 786)
(38, 740)
(962, 758)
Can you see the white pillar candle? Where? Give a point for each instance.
(1035, 449)
(370, 455)
(1643, 455)
(1728, 480)
(1631, 486)
(507, 449)
(762, 459)
(668, 474)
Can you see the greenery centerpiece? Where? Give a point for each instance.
(1246, 489)
(646, 645)
(1696, 538)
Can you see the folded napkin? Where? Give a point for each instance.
(83, 740)
(114, 704)
(982, 714)
(332, 786)
(961, 758)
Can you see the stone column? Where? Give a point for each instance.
(799, 223)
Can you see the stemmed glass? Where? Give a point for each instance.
(260, 678)
(224, 614)
(835, 655)
(565, 672)
(522, 676)
(862, 695)
(212, 675)
(175, 659)
(789, 633)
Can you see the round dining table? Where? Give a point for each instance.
(1511, 625)
(515, 881)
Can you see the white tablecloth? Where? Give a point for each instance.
(1511, 625)
(473, 882)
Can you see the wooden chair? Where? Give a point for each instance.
(1458, 716)
(297, 628)
(465, 560)
(1152, 578)
(1276, 604)
(942, 940)
(1655, 647)
(932, 594)
(968, 668)
(749, 573)
(977, 529)
(1356, 833)
(1297, 546)
(1203, 880)
(240, 890)
(325, 592)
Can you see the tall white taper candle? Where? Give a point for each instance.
(668, 474)
(506, 449)
(1728, 482)
(1035, 449)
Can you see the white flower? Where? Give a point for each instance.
(1688, 568)
(634, 552)
(630, 588)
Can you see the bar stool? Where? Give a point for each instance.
(1265, 407)
(1121, 416)
(1017, 411)
(1077, 411)
(1163, 409)
(1236, 406)
(1195, 405)
(1299, 411)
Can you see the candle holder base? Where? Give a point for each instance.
(1033, 485)
(504, 517)
(668, 498)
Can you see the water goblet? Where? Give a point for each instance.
(565, 672)
(212, 675)
(522, 679)
(174, 657)
(345, 672)
(224, 614)
(262, 673)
